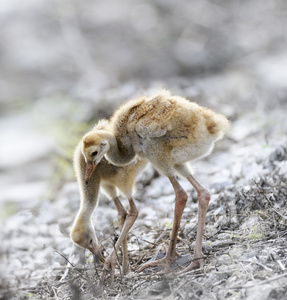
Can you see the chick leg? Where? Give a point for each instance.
(130, 218)
(180, 201)
(203, 201)
(122, 213)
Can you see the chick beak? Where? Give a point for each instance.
(90, 167)
(97, 254)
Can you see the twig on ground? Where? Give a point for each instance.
(55, 293)
(64, 257)
(74, 268)
(260, 282)
(154, 244)
(282, 267)
(257, 263)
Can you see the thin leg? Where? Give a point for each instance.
(122, 214)
(203, 201)
(180, 201)
(111, 261)
(126, 224)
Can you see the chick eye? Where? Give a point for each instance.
(91, 241)
(95, 153)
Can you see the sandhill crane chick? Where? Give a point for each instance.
(111, 178)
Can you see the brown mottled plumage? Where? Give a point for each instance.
(169, 131)
(110, 178)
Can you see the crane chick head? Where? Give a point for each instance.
(84, 236)
(94, 147)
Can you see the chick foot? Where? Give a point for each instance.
(110, 267)
(164, 262)
(197, 263)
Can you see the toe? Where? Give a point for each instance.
(194, 265)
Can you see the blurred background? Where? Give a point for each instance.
(66, 63)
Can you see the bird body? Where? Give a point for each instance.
(169, 131)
